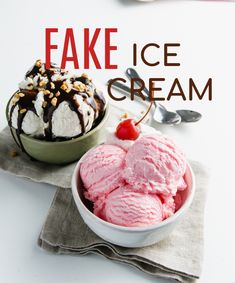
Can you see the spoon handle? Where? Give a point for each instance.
(159, 108)
(186, 115)
(126, 89)
(132, 73)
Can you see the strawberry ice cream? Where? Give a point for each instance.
(155, 165)
(126, 207)
(101, 170)
(135, 185)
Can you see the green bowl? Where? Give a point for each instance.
(61, 152)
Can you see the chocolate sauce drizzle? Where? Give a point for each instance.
(52, 89)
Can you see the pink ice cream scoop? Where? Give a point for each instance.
(155, 165)
(126, 207)
(101, 170)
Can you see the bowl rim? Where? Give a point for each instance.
(72, 140)
(165, 222)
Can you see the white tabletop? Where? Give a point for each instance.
(205, 30)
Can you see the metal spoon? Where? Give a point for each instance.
(187, 116)
(160, 115)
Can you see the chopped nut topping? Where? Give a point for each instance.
(79, 86)
(42, 83)
(51, 95)
(38, 63)
(54, 101)
(15, 100)
(125, 115)
(22, 111)
(44, 104)
(13, 153)
(84, 75)
(46, 92)
(52, 85)
(89, 93)
(57, 94)
(64, 86)
(20, 94)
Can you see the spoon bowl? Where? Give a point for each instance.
(160, 115)
(189, 116)
(163, 116)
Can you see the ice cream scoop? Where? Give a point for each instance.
(52, 104)
(155, 165)
(101, 170)
(125, 207)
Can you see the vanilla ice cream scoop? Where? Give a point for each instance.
(52, 104)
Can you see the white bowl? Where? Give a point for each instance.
(131, 236)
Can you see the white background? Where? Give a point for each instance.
(206, 33)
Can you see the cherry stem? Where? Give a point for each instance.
(150, 106)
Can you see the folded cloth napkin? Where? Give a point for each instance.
(21, 165)
(13, 161)
(177, 257)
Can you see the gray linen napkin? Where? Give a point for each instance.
(177, 257)
(22, 166)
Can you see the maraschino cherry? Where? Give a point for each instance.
(128, 129)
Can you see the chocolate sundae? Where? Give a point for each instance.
(53, 105)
